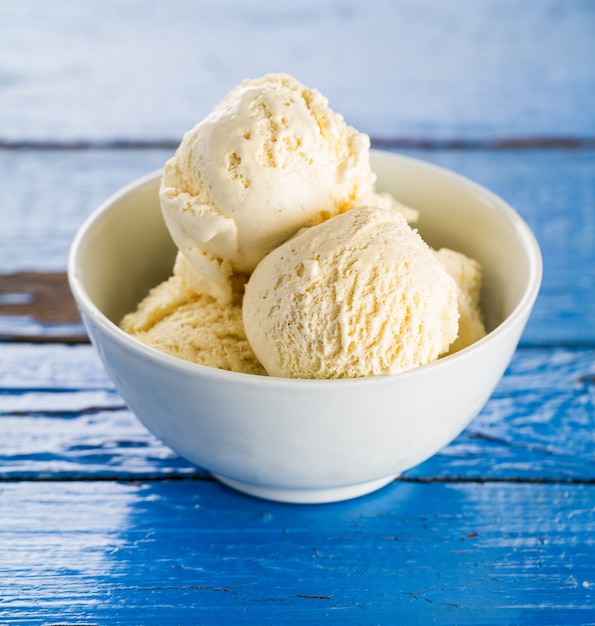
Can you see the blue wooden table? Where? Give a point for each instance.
(100, 523)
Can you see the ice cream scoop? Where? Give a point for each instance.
(270, 159)
(358, 295)
(467, 276)
(195, 327)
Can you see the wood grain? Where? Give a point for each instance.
(46, 296)
(39, 308)
(157, 553)
(408, 68)
(100, 523)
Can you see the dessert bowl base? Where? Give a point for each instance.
(306, 496)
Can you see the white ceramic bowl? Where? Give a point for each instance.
(307, 440)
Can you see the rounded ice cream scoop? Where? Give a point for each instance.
(270, 159)
(359, 295)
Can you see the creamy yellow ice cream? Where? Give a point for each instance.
(356, 292)
(359, 295)
(194, 327)
(467, 276)
(270, 159)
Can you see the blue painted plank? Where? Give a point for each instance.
(497, 527)
(100, 70)
(178, 552)
(554, 190)
(61, 418)
(46, 195)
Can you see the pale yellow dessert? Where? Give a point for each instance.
(270, 159)
(195, 327)
(467, 275)
(359, 295)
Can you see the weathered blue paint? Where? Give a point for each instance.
(181, 552)
(406, 68)
(99, 522)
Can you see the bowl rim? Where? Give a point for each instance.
(90, 310)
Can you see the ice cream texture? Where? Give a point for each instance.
(195, 327)
(467, 276)
(359, 295)
(274, 188)
(271, 158)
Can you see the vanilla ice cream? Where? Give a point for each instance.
(195, 327)
(467, 276)
(358, 295)
(270, 159)
(273, 186)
